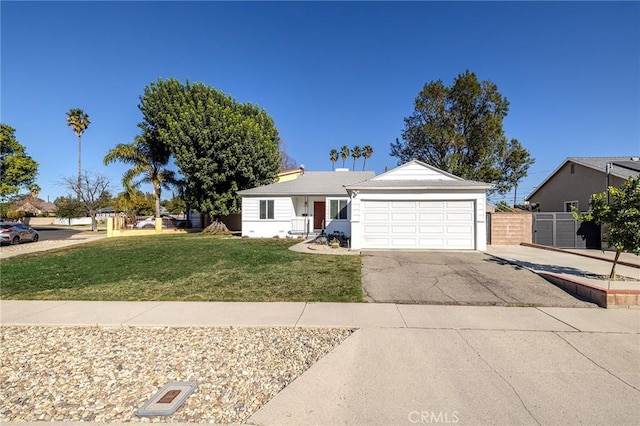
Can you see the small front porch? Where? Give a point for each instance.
(309, 215)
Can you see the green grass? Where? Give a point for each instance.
(192, 267)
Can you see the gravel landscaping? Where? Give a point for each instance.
(105, 374)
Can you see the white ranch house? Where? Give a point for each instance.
(414, 206)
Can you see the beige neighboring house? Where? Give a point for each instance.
(578, 178)
(34, 206)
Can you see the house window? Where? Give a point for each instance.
(573, 168)
(338, 209)
(266, 209)
(569, 204)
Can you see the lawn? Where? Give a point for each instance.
(193, 267)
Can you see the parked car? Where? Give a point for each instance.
(16, 233)
(167, 222)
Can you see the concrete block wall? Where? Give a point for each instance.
(511, 228)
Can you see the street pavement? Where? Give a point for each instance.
(418, 364)
(7, 251)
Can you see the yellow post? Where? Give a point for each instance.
(158, 225)
(109, 227)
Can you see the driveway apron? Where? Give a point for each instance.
(456, 278)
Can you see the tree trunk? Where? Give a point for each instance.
(612, 275)
(94, 222)
(79, 164)
(156, 197)
(217, 227)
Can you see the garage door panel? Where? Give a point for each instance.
(407, 229)
(376, 216)
(459, 230)
(431, 243)
(419, 224)
(431, 217)
(459, 217)
(461, 243)
(403, 217)
(377, 229)
(403, 204)
(459, 204)
(431, 229)
(403, 242)
(376, 205)
(431, 205)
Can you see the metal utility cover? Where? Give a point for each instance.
(167, 400)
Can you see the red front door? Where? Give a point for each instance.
(318, 214)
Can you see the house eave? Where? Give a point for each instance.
(418, 188)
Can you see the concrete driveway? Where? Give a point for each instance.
(456, 278)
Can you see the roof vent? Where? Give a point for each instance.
(340, 169)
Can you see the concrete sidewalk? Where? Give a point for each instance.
(301, 314)
(417, 364)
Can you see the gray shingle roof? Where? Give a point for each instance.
(600, 163)
(311, 183)
(596, 163)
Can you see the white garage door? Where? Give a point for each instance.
(418, 224)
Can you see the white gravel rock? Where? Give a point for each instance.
(105, 374)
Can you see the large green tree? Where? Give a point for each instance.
(134, 202)
(621, 216)
(221, 146)
(459, 129)
(17, 169)
(69, 208)
(148, 159)
(78, 120)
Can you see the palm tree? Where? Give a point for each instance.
(344, 153)
(149, 159)
(78, 120)
(356, 153)
(333, 156)
(367, 152)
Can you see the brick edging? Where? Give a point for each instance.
(603, 297)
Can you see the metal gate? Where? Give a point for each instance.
(563, 231)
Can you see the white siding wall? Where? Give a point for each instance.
(253, 226)
(478, 198)
(413, 172)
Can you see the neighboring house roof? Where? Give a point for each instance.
(311, 183)
(623, 167)
(33, 205)
(286, 175)
(434, 179)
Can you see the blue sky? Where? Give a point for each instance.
(329, 73)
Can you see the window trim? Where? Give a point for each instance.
(345, 209)
(266, 209)
(568, 204)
